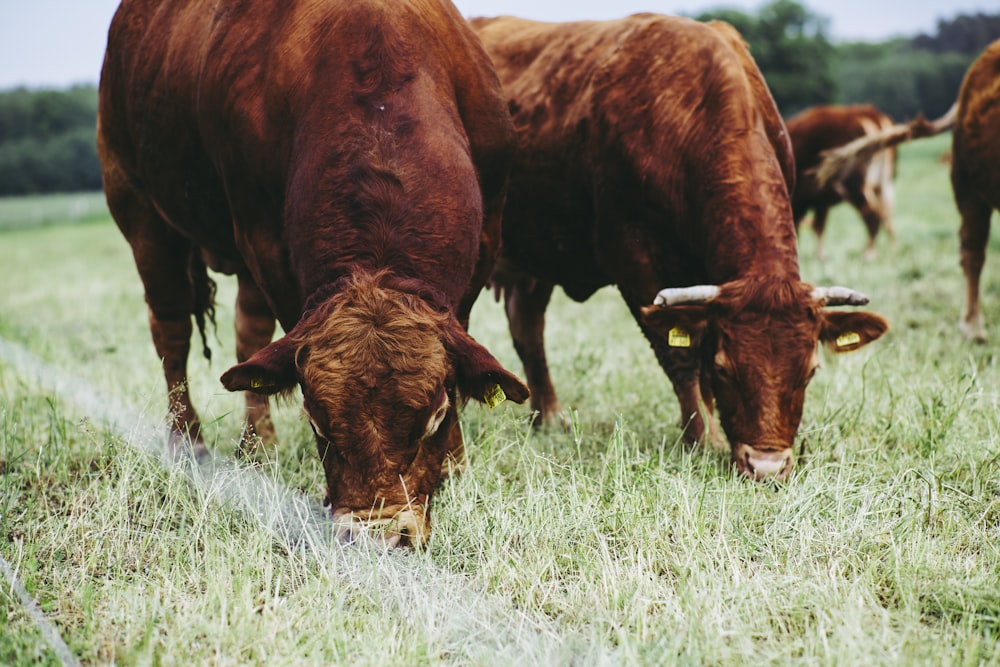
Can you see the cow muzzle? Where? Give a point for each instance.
(407, 527)
(763, 464)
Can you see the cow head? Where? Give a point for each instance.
(758, 343)
(381, 373)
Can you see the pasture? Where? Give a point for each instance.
(607, 543)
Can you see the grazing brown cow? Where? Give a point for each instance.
(652, 157)
(347, 160)
(868, 188)
(975, 170)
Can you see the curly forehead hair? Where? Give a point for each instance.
(372, 337)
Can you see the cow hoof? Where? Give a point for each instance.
(181, 449)
(973, 330)
(558, 418)
(257, 442)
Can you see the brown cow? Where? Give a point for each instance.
(652, 157)
(347, 160)
(975, 170)
(868, 188)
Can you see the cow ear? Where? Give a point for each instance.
(479, 375)
(848, 331)
(270, 371)
(680, 326)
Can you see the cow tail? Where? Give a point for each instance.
(204, 297)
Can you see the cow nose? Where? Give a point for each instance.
(406, 528)
(761, 464)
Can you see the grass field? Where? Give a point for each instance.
(605, 544)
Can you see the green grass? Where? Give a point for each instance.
(33, 211)
(609, 543)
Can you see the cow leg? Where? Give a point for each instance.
(526, 300)
(871, 218)
(255, 326)
(454, 460)
(697, 401)
(973, 236)
(162, 258)
(818, 225)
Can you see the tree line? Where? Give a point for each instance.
(47, 141)
(47, 136)
(903, 76)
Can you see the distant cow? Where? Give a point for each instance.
(868, 188)
(347, 160)
(652, 157)
(975, 168)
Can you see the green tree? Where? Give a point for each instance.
(47, 141)
(790, 45)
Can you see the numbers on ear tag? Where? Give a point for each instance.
(677, 337)
(848, 339)
(494, 396)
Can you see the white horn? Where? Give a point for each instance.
(838, 296)
(695, 294)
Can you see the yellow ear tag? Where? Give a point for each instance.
(257, 383)
(847, 339)
(678, 338)
(494, 396)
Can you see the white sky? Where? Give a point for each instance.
(56, 43)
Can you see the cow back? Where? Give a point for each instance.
(653, 122)
(257, 126)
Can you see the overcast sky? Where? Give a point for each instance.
(57, 43)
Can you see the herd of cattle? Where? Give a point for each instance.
(365, 168)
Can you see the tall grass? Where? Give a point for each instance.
(605, 543)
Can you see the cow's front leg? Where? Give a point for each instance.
(455, 461)
(172, 339)
(526, 300)
(694, 394)
(255, 326)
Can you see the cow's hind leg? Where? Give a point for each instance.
(526, 300)
(255, 324)
(871, 218)
(177, 287)
(819, 225)
(973, 236)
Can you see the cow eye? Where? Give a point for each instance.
(722, 366)
(314, 426)
(437, 418)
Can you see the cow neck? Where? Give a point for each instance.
(743, 249)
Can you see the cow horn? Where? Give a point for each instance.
(672, 296)
(838, 296)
